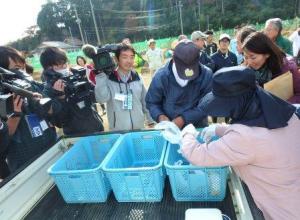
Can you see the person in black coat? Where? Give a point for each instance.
(4, 170)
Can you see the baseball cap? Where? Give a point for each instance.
(151, 41)
(223, 36)
(198, 34)
(186, 58)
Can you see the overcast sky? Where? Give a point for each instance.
(16, 16)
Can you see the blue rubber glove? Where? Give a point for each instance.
(208, 133)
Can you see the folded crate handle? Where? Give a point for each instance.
(147, 136)
(104, 140)
(131, 174)
(133, 181)
(197, 177)
(74, 176)
(197, 172)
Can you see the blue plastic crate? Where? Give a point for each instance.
(134, 167)
(78, 173)
(192, 183)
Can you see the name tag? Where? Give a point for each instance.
(81, 104)
(44, 125)
(120, 97)
(35, 125)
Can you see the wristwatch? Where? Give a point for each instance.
(17, 114)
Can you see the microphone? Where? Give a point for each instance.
(7, 73)
(89, 50)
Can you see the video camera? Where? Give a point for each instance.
(76, 84)
(11, 82)
(101, 57)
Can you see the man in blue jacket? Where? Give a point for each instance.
(224, 57)
(177, 88)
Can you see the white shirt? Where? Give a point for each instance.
(154, 58)
(295, 38)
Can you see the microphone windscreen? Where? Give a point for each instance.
(89, 50)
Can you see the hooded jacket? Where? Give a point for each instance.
(106, 91)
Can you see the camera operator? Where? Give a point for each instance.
(124, 92)
(78, 115)
(4, 171)
(29, 129)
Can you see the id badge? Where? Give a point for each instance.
(34, 125)
(81, 104)
(127, 103)
(120, 97)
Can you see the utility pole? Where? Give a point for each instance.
(95, 23)
(222, 7)
(71, 36)
(180, 14)
(207, 19)
(85, 35)
(101, 29)
(78, 21)
(199, 12)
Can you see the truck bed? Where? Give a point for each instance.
(52, 206)
(32, 194)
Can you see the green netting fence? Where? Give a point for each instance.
(141, 47)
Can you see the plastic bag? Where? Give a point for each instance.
(170, 131)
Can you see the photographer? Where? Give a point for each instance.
(29, 129)
(124, 92)
(77, 115)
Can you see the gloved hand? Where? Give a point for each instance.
(189, 129)
(169, 131)
(208, 133)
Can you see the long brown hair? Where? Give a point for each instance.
(259, 43)
(12, 53)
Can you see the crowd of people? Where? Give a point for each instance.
(200, 78)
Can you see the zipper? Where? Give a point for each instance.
(114, 119)
(129, 110)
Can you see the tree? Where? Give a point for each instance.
(152, 18)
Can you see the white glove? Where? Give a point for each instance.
(208, 133)
(189, 129)
(170, 131)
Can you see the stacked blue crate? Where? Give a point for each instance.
(78, 174)
(134, 167)
(192, 183)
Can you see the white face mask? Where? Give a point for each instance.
(64, 72)
(181, 82)
(23, 73)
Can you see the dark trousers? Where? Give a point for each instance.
(4, 171)
(214, 119)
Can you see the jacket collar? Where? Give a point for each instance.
(116, 78)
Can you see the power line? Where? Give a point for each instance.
(135, 29)
(145, 27)
(131, 12)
